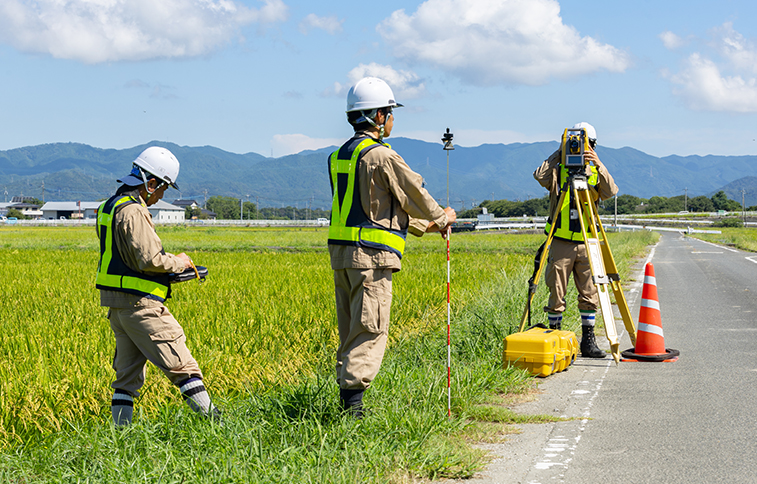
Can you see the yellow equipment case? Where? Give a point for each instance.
(541, 351)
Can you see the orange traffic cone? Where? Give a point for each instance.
(650, 342)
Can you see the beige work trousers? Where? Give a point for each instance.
(567, 257)
(363, 302)
(149, 333)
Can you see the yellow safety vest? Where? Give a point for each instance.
(567, 228)
(112, 273)
(349, 223)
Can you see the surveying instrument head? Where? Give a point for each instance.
(574, 146)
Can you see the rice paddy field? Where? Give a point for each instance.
(263, 329)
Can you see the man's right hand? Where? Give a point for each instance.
(185, 258)
(451, 217)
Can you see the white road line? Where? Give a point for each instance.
(560, 449)
(718, 245)
(751, 259)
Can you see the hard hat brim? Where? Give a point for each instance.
(133, 181)
(130, 180)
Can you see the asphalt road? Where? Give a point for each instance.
(691, 421)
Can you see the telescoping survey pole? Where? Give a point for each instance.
(447, 140)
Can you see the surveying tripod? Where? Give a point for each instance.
(604, 272)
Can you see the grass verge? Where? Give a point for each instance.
(262, 330)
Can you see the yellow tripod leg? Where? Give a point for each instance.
(544, 257)
(620, 297)
(603, 290)
(598, 272)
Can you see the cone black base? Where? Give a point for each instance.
(670, 355)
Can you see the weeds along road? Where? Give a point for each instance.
(691, 421)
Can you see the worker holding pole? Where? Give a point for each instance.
(377, 200)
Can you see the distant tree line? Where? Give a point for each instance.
(228, 208)
(627, 204)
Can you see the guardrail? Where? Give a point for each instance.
(244, 223)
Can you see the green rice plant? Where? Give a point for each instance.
(263, 329)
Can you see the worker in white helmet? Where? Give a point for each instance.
(133, 279)
(568, 252)
(377, 199)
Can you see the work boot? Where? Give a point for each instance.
(557, 326)
(352, 402)
(589, 348)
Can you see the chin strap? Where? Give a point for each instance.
(369, 118)
(147, 189)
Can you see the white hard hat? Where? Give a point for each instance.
(156, 161)
(591, 133)
(370, 93)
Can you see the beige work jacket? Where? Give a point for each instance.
(141, 249)
(392, 195)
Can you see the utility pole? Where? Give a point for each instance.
(248, 208)
(743, 210)
(685, 199)
(257, 204)
(205, 201)
(241, 209)
(616, 211)
(43, 192)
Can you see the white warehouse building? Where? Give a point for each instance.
(162, 212)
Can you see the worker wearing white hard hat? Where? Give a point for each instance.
(568, 252)
(377, 200)
(133, 279)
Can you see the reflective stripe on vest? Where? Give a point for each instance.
(112, 273)
(349, 223)
(568, 229)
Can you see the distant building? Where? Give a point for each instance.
(24, 205)
(70, 210)
(184, 203)
(191, 204)
(164, 212)
(15, 200)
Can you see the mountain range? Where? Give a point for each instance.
(72, 171)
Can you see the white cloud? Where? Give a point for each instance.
(670, 40)
(489, 42)
(94, 31)
(289, 144)
(702, 85)
(404, 84)
(740, 52)
(331, 24)
(726, 81)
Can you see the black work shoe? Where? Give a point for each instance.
(352, 402)
(589, 348)
(556, 326)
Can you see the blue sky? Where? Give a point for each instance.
(665, 77)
